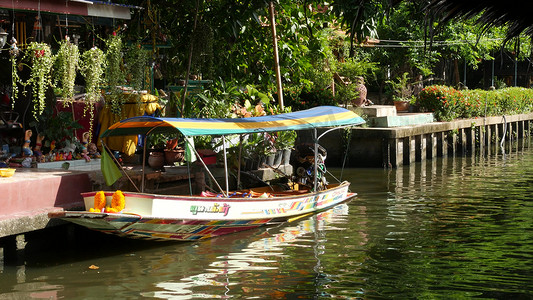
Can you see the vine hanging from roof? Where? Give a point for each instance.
(115, 76)
(92, 67)
(15, 79)
(67, 64)
(42, 60)
(136, 61)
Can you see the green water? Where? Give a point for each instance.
(453, 228)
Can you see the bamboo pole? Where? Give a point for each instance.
(191, 48)
(276, 56)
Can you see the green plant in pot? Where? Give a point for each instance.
(156, 143)
(174, 153)
(59, 130)
(402, 92)
(285, 143)
(256, 148)
(66, 66)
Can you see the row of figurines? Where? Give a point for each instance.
(69, 152)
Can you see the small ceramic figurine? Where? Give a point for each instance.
(26, 150)
(14, 50)
(38, 145)
(84, 140)
(93, 150)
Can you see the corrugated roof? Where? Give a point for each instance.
(73, 7)
(115, 4)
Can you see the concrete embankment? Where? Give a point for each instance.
(29, 195)
(397, 146)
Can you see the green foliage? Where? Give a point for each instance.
(157, 140)
(353, 68)
(355, 71)
(228, 100)
(114, 74)
(92, 67)
(448, 103)
(215, 102)
(360, 18)
(58, 127)
(285, 139)
(67, 65)
(312, 98)
(401, 88)
(41, 59)
(136, 60)
(346, 93)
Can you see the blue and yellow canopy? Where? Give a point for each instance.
(322, 116)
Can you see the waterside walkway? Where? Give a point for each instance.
(402, 145)
(30, 194)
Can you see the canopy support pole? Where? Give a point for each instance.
(144, 162)
(189, 172)
(206, 168)
(240, 159)
(315, 139)
(225, 164)
(123, 171)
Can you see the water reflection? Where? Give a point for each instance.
(259, 256)
(450, 228)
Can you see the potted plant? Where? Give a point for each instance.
(156, 143)
(257, 149)
(402, 92)
(173, 152)
(402, 104)
(114, 73)
(284, 144)
(42, 60)
(67, 64)
(58, 129)
(92, 67)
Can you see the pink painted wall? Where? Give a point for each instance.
(34, 191)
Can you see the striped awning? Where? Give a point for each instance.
(322, 116)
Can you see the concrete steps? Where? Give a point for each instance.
(402, 119)
(386, 116)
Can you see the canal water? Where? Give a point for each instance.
(450, 228)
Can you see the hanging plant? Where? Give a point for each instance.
(67, 64)
(42, 60)
(15, 80)
(92, 67)
(136, 60)
(115, 76)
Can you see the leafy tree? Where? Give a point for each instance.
(360, 18)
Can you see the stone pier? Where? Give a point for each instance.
(397, 146)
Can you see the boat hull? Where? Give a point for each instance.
(189, 218)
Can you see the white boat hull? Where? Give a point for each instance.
(187, 218)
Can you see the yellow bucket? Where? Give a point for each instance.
(7, 172)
